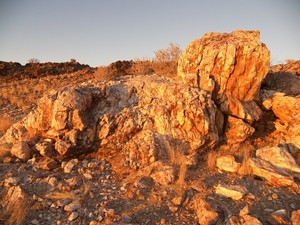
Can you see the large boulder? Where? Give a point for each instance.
(144, 118)
(231, 67)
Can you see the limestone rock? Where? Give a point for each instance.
(275, 176)
(237, 130)
(164, 176)
(46, 148)
(21, 150)
(227, 163)
(235, 192)
(279, 157)
(231, 66)
(142, 119)
(206, 215)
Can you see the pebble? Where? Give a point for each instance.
(72, 206)
(35, 222)
(73, 216)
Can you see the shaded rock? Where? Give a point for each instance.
(235, 192)
(46, 148)
(231, 66)
(295, 217)
(275, 176)
(279, 157)
(227, 163)
(206, 215)
(73, 216)
(21, 150)
(244, 218)
(250, 220)
(164, 175)
(284, 82)
(279, 217)
(48, 164)
(237, 130)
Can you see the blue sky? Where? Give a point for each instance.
(98, 32)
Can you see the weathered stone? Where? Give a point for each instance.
(21, 150)
(284, 107)
(227, 163)
(279, 157)
(164, 176)
(235, 192)
(63, 147)
(46, 148)
(69, 166)
(295, 217)
(250, 220)
(206, 215)
(231, 66)
(279, 217)
(237, 130)
(141, 119)
(275, 176)
(73, 216)
(48, 164)
(72, 206)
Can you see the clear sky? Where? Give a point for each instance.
(98, 32)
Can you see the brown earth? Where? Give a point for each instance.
(95, 192)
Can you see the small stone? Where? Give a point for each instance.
(73, 216)
(22, 151)
(48, 164)
(35, 222)
(63, 202)
(244, 211)
(227, 163)
(235, 192)
(267, 210)
(72, 206)
(69, 166)
(126, 219)
(274, 196)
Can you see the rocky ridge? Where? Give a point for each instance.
(133, 150)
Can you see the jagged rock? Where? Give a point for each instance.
(279, 217)
(142, 118)
(235, 192)
(275, 176)
(279, 157)
(164, 175)
(231, 66)
(48, 164)
(72, 206)
(21, 150)
(227, 163)
(206, 215)
(244, 218)
(237, 130)
(295, 217)
(284, 107)
(46, 148)
(69, 165)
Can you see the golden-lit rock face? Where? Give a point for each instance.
(144, 117)
(231, 67)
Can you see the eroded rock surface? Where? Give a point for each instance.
(231, 66)
(146, 118)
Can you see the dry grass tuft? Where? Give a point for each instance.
(60, 195)
(178, 159)
(211, 160)
(245, 168)
(18, 210)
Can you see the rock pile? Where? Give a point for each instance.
(158, 127)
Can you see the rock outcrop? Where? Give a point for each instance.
(146, 118)
(231, 67)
